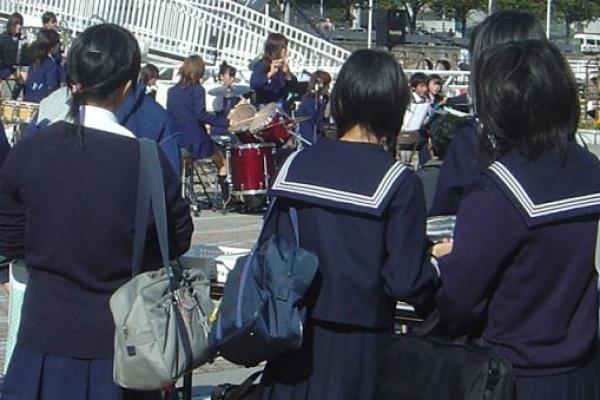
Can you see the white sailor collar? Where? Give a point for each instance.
(301, 178)
(545, 190)
(103, 120)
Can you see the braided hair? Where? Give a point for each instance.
(102, 59)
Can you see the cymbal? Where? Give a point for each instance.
(236, 90)
(291, 121)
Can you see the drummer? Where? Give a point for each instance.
(271, 77)
(186, 103)
(227, 97)
(313, 106)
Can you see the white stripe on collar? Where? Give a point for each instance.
(103, 120)
(339, 196)
(542, 209)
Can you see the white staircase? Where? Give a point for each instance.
(215, 29)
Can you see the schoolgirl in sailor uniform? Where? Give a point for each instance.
(363, 214)
(271, 77)
(521, 271)
(67, 205)
(462, 164)
(313, 106)
(45, 74)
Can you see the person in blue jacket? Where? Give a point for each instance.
(226, 97)
(462, 165)
(139, 113)
(186, 103)
(67, 206)
(313, 106)
(142, 115)
(271, 77)
(521, 273)
(363, 214)
(45, 74)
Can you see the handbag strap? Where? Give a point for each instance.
(150, 194)
(597, 257)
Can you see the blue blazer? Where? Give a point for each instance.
(187, 107)
(312, 128)
(43, 79)
(270, 90)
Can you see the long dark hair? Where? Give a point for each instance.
(501, 27)
(371, 90)
(531, 104)
(45, 42)
(274, 45)
(14, 20)
(102, 59)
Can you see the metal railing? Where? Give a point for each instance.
(214, 29)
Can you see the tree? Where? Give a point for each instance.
(414, 7)
(576, 11)
(459, 9)
(537, 7)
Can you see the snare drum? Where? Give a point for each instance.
(270, 124)
(26, 112)
(9, 111)
(239, 122)
(252, 166)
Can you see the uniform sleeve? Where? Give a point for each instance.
(53, 79)
(12, 210)
(480, 254)
(178, 212)
(203, 116)
(307, 109)
(459, 170)
(260, 81)
(408, 273)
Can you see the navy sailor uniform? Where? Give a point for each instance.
(522, 271)
(363, 214)
(460, 170)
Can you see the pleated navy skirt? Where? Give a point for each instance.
(40, 376)
(336, 362)
(579, 384)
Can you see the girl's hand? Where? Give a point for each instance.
(275, 66)
(441, 249)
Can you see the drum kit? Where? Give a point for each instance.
(259, 134)
(19, 114)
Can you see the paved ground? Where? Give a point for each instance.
(233, 230)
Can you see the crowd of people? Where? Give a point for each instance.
(519, 271)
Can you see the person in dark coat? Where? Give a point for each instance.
(226, 98)
(440, 138)
(186, 103)
(148, 76)
(45, 74)
(363, 214)
(142, 115)
(67, 205)
(271, 77)
(462, 165)
(521, 271)
(313, 106)
(10, 49)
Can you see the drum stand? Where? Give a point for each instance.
(193, 172)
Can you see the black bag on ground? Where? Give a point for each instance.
(424, 366)
(244, 391)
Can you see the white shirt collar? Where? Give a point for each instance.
(103, 120)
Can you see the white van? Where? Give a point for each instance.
(589, 42)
